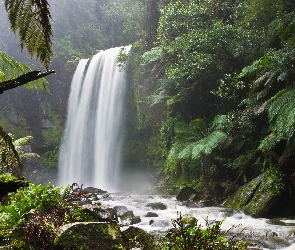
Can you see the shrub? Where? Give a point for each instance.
(188, 234)
(31, 217)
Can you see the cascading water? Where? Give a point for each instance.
(91, 148)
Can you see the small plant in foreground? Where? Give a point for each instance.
(188, 234)
(31, 217)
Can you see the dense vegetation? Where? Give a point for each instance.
(211, 90)
(211, 84)
(217, 94)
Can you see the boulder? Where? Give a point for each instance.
(119, 210)
(186, 193)
(258, 196)
(157, 206)
(136, 238)
(93, 190)
(9, 183)
(151, 214)
(89, 235)
(135, 220)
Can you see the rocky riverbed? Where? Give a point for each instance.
(154, 214)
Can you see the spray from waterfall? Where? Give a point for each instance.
(91, 148)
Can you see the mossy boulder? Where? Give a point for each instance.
(89, 235)
(136, 238)
(258, 196)
(186, 193)
(9, 183)
(157, 206)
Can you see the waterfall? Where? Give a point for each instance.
(90, 152)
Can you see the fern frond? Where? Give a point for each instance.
(218, 123)
(278, 102)
(31, 19)
(186, 153)
(10, 68)
(162, 92)
(268, 142)
(208, 144)
(281, 115)
(198, 127)
(153, 55)
(175, 150)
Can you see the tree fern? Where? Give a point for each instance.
(194, 140)
(31, 19)
(281, 114)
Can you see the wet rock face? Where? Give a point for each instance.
(157, 206)
(89, 236)
(151, 214)
(257, 197)
(135, 220)
(186, 193)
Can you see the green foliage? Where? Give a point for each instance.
(50, 158)
(153, 55)
(52, 138)
(32, 21)
(281, 110)
(193, 151)
(196, 39)
(11, 68)
(23, 141)
(20, 147)
(31, 217)
(188, 233)
(194, 141)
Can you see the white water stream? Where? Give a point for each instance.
(259, 233)
(91, 148)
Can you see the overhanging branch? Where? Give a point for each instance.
(23, 79)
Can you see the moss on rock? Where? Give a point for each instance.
(137, 238)
(89, 235)
(9, 183)
(258, 196)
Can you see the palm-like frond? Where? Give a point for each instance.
(31, 18)
(281, 114)
(194, 140)
(208, 144)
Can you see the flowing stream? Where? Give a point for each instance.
(91, 148)
(260, 233)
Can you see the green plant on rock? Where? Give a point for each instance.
(31, 217)
(187, 233)
(20, 147)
